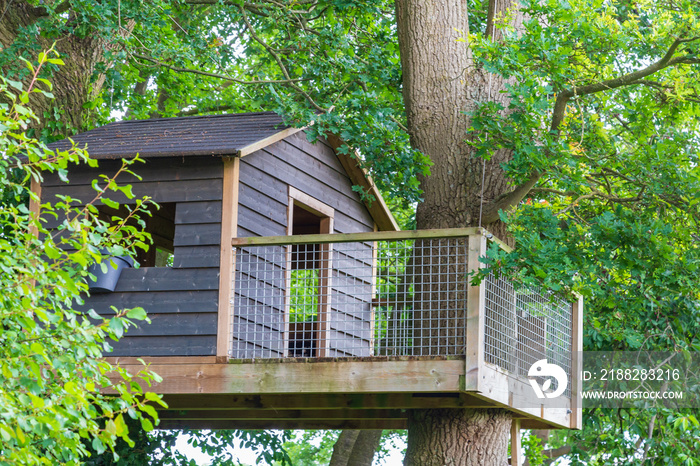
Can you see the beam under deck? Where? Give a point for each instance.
(309, 394)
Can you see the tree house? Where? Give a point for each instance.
(279, 298)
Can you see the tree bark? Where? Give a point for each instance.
(441, 85)
(355, 447)
(75, 83)
(465, 437)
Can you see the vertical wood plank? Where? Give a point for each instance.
(373, 309)
(515, 444)
(577, 360)
(475, 316)
(324, 285)
(229, 229)
(288, 273)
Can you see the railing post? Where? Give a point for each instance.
(229, 229)
(576, 363)
(474, 353)
(324, 300)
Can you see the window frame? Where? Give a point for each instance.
(321, 326)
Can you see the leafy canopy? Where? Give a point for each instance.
(605, 99)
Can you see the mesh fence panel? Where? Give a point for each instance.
(350, 299)
(525, 325)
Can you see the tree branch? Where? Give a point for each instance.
(216, 75)
(515, 196)
(277, 58)
(198, 111)
(596, 193)
(256, 7)
(553, 454)
(509, 200)
(398, 123)
(554, 191)
(624, 80)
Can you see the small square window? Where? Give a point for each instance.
(160, 224)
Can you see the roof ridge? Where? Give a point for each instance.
(190, 117)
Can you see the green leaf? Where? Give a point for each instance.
(136, 313)
(109, 203)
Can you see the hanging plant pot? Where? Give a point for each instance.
(106, 282)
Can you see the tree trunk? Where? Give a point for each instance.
(464, 437)
(441, 85)
(355, 448)
(75, 83)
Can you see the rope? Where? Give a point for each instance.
(483, 165)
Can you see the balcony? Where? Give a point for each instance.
(370, 317)
(352, 330)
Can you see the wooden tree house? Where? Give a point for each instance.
(290, 302)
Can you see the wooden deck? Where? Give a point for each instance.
(356, 393)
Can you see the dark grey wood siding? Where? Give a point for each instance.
(351, 300)
(265, 177)
(181, 301)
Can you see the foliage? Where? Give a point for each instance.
(604, 111)
(315, 447)
(269, 445)
(53, 384)
(533, 449)
(311, 447)
(303, 296)
(333, 62)
(155, 448)
(614, 213)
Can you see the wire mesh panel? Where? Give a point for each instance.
(350, 299)
(524, 325)
(260, 302)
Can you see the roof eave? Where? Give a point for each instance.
(378, 209)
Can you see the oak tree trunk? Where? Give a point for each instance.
(464, 437)
(355, 447)
(441, 85)
(75, 83)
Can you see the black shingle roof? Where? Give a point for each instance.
(167, 137)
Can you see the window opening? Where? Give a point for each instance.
(306, 290)
(160, 224)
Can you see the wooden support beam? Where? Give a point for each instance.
(358, 237)
(229, 229)
(261, 144)
(328, 402)
(262, 415)
(414, 376)
(516, 395)
(160, 360)
(286, 424)
(476, 305)
(576, 363)
(515, 444)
